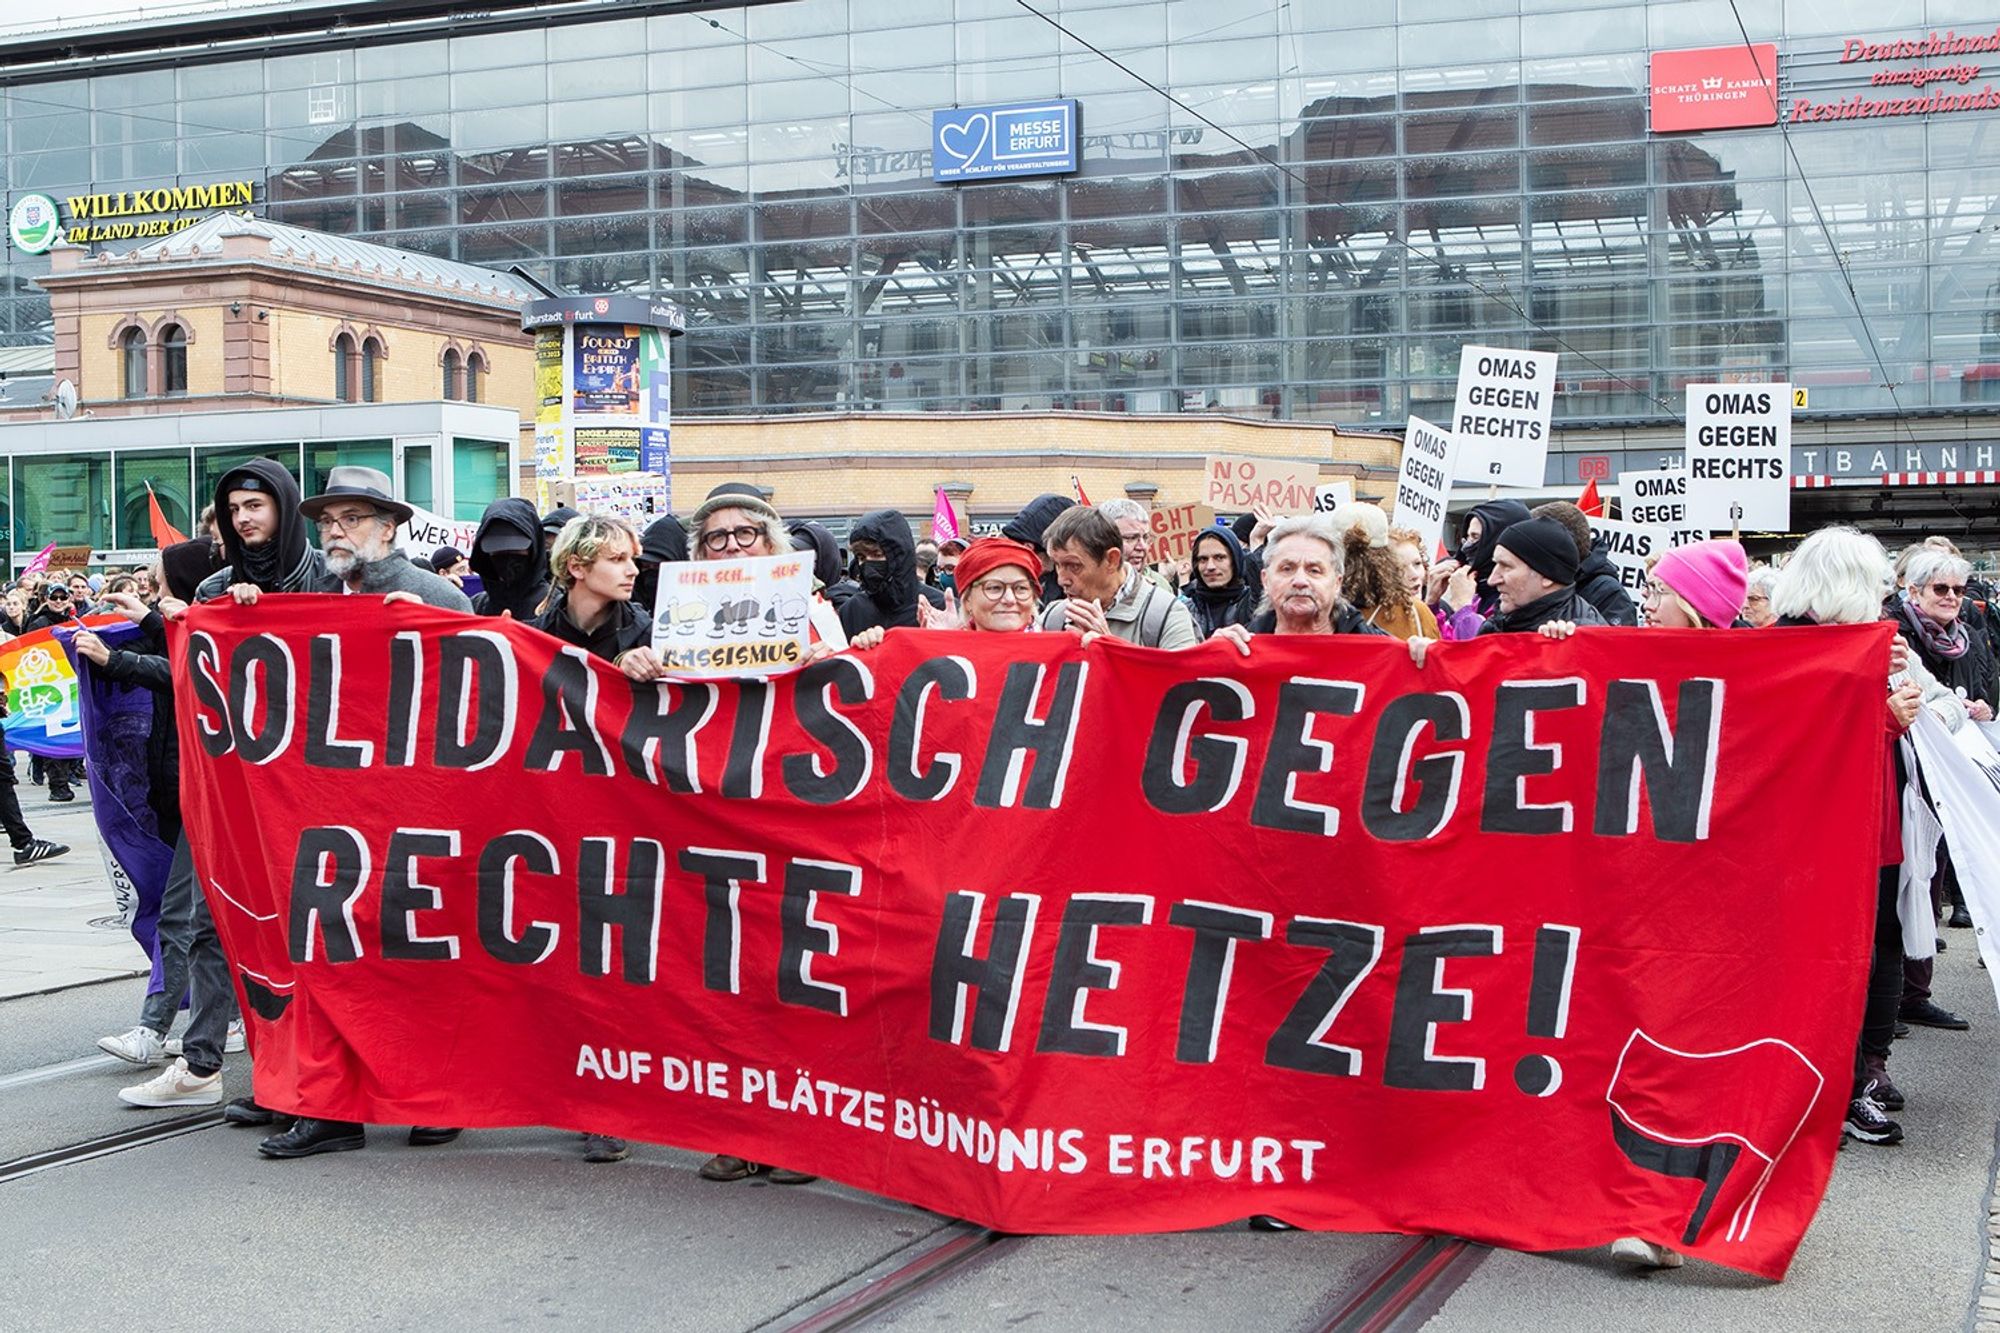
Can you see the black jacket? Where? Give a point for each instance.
(1972, 673)
(1027, 528)
(1345, 621)
(516, 583)
(626, 628)
(1231, 604)
(1562, 604)
(145, 666)
(1597, 583)
(834, 585)
(289, 563)
(890, 593)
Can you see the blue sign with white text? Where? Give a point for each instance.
(973, 143)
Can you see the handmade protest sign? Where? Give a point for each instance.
(1175, 529)
(1628, 546)
(427, 531)
(1331, 495)
(1739, 456)
(1240, 485)
(733, 617)
(1423, 484)
(1501, 415)
(922, 919)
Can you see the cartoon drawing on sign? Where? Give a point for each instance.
(1666, 1116)
(787, 613)
(686, 615)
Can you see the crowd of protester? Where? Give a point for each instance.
(1058, 566)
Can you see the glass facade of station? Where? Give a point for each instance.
(1334, 197)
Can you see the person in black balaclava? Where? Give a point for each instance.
(834, 585)
(663, 542)
(264, 541)
(507, 555)
(1027, 528)
(885, 555)
(1476, 554)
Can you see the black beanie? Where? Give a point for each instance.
(1545, 546)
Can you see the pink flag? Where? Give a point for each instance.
(40, 562)
(944, 522)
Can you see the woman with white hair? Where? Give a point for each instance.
(1839, 576)
(1757, 596)
(1929, 616)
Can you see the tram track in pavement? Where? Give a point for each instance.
(101, 1145)
(1397, 1294)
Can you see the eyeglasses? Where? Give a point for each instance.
(993, 590)
(1947, 590)
(343, 522)
(721, 539)
(1655, 590)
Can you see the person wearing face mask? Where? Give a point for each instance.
(1462, 594)
(507, 556)
(829, 578)
(664, 542)
(884, 550)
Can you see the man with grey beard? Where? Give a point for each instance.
(357, 520)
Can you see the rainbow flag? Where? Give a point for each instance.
(43, 715)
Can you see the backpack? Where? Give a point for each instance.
(1152, 616)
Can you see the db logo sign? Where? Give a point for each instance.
(1594, 467)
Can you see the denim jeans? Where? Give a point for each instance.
(191, 960)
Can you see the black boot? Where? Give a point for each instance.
(430, 1136)
(308, 1136)
(245, 1111)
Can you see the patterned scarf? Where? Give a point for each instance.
(1946, 640)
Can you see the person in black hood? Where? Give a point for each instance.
(1220, 593)
(1461, 595)
(507, 556)
(885, 555)
(1027, 528)
(834, 585)
(264, 546)
(1534, 578)
(185, 564)
(1597, 579)
(553, 523)
(664, 542)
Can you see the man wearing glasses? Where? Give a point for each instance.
(357, 520)
(734, 523)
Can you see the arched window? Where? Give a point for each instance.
(451, 364)
(132, 346)
(174, 359)
(475, 371)
(371, 367)
(343, 368)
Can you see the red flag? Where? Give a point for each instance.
(944, 520)
(1590, 502)
(1081, 498)
(165, 534)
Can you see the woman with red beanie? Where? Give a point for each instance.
(996, 578)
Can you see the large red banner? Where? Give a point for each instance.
(1540, 944)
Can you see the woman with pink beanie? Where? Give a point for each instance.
(1700, 586)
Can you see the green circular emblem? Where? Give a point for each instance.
(32, 224)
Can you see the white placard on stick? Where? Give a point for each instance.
(1628, 546)
(426, 531)
(1331, 495)
(1739, 456)
(1423, 486)
(734, 617)
(1501, 415)
(1658, 499)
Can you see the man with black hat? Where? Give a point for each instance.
(507, 555)
(357, 520)
(1534, 573)
(449, 562)
(264, 544)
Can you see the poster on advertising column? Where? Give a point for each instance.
(1501, 415)
(1739, 457)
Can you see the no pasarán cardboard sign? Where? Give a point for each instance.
(1501, 415)
(734, 617)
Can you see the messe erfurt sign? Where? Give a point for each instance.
(1714, 87)
(975, 143)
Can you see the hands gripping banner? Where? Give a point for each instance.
(1074, 939)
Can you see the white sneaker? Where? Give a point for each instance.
(231, 1044)
(140, 1046)
(1643, 1253)
(175, 1086)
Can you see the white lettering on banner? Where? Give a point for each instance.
(426, 531)
(1501, 415)
(1628, 546)
(1423, 484)
(1331, 495)
(1739, 456)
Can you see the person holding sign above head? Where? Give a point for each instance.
(1105, 595)
(1461, 593)
(1304, 562)
(1534, 578)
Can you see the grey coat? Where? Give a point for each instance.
(394, 573)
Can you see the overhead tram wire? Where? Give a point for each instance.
(1501, 298)
(1770, 78)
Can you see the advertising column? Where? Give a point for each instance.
(602, 417)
